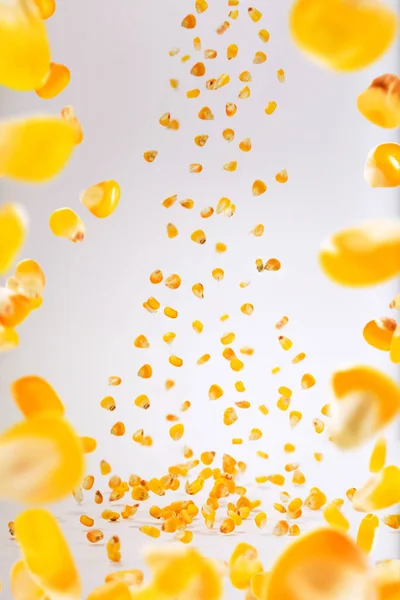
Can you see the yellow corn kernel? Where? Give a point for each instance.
(13, 224)
(244, 93)
(363, 256)
(210, 54)
(105, 467)
(68, 114)
(381, 491)
(171, 313)
(319, 457)
(174, 83)
(270, 108)
(319, 425)
(46, 8)
(281, 323)
(239, 386)
(175, 361)
(118, 429)
(55, 82)
(141, 342)
(197, 43)
(236, 365)
(169, 337)
(185, 58)
(289, 448)
(259, 58)
(206, 114)
(228, 135)
(35, 149)
(198, 326)
(300, 357)
(230, 416)
(150, 155)
(298, 478)
(88, 482)
(244, 564)
(294, 530)
(281, 528)
(22, 584)
(24, 45)
(245, 146)
(378, 456)
(98, 497)
(220, 247)
(176, 432)
(245, 76)
(108, 403)
(282, 176)
(221, 81)
(198, 236)
(259, 188)
(47, 556)
(321, 549)
(198, 290)
(188, 204)
(89, 444)
(34, 396)
(170, 201)
(315, 500)
(185, 536)
(254, 14)
(86, 521)
(255, 434)
(201, 6)
(218, 274)
(222, 28)
(203, 359)
(227, 526)
(291, 467)
(307, 381)
(295, 418)
(350, 493)
(380, 103)
(395, 347)
(227, 338)
(65, 223)
(334, 517)
(205, 213)
(28, 279)
(152, 305)
(145, 372)
(156, 277)
(392, 521)
(189, 22)
(264, 35)
(367, 532)
(102, 199)
(42, 460)
(195, 168)
(198, 70)
(366, 32)
(276, 479)
(230, 166)
(382, 168)
(232, 51)
(273, 264)
(169, 384)
(261, 520)
(367, 400)
(230, 109)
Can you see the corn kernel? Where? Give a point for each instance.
(381, 491)
(367, 532)
(378, 456)
(102, 199)
(55, 82)
(264, 35)
(380, 103)
(189, 22)
(206, 114)
(254, 14)
(145, 372)
(176, 432)
(150, 155)
(65, 223)
(230, 109)
(171, 313)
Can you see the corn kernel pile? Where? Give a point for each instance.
(42, 457)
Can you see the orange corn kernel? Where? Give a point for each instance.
(88, 482)
(259, 188)
(264, 35)
(34, 396)
(206, 114)
(222, 28)
(55, 82)
(395, 347)
(244, 93)
(189, 22)
(334, 517)
(198, 70)
(282, 176)
(201, 140)
(118, 429)
(307, 381)
(86, 521)
(141, 342)
(380, 103)
(145, 372)
(94, 536)
(176, 432)
(89, 444)
(150, 155)
(201, 6)
(245, 145)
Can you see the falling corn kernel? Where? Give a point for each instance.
(218, 274)
(254, 14)
(318, 456)
(273, 264)
(307, 381)
(150, 155)
(239, 386)
(282, 176)
(28, 280)
(230, 166)
(198, 236)
(35, 149)
(227, 526)
(156, 277)
(68, 114)
(230, 416)
(176, 432)
(270, 108)
(42, 460)
(222, 28)
(86, 521)
(201, 6)
(295, 418)
(367, 400)
(175, 361)
(281, 528)
(244, 564)
(366, 32)
(145, 372)
(197, 43)
(244, 93)
(382, 168)
(380, 103)
(285, 343)
(102, 199)
(185, 58)
(35, 396)
(195, 168)
(193, 94)
(228, 135)
(189, 22)
(198, 290)
(55, 82)
(94, 536)
(118, 429)
(108, 403)
(168, 202)
(259, 188)
(245, 145)
(172, 231)
(334, 517)
(259, 58)
(65, 223)
(367, 532)
(205, 213)
(22, 584)
(230, 109)
(354, 257)
(210, 54)
(98, 497)
(381, 491)
(174, 83)
(318, 425)
(105, 467)
(47, 557)
(378, 456)
(141, 341)
(300, 357)
(198, 70)
(215, 392)
(392, 521)
(206, 114)
(245, 76)
(88, 482)
(221, 81)
(298, 478)
(89, 444)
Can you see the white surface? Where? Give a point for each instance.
(118, 56)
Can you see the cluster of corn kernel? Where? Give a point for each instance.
(43, 456)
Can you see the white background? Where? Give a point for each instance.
(118, 56)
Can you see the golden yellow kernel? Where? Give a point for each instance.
(285, 342)
(281, 528)
(230, 416)
(173, 282)
(228, 338)
(334, 517)
(189, 22)
(380, 102)
(198, 236)
(220, 247)
(176, 432)
(185, 58)
(198, 70)
(141, 342)
(88, 482)
(174, 125)
(168, 202)
(244, 93)
(261, 520)
(319, 425)
(295, 418)
(228, 354)
(264, 35)
(201, 140)
(270, 108)
(185, 536)
(318, 456)
(142, 401)
(222, 28)
(239, 386)
(228, 135)
(367, 532)
(218, 274)
(171, 313)
(247, 351)
(283, 403)
(227, 526)
(197, 43)
(263, 409)
(56, 80)
(255, 434)
(381, 491)
(175, 361)
(193, 93)
(307, 381)
(86, 521)
(259, 188)
(205, 213)
(201, 6)
(195, 168)
(174, 51)
(150, 155)
(281, 75)
(174, 83)
(230, 166)
(203, 359)
(165, 119)
(169, 337)
(230, 109)
(118, 429)
(150, 531)
(282, 176)
(254, 14)
(145, 372)
(236, 365)
(221, 81)
(198, 290)
(298, 478)
(378, 456)
(215, 392)
(289, 448)
(206, 114)
(259, 58)
(64, 222)
(210, 54)
(392, 521)
(245, 76)
(245, 145)
(291, 467)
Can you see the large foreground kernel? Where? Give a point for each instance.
(12, 233)
(22, 584)
(41, 460)
(364, 255)
(34, 396)
(341, 34)
(367, 400)
(383, 166)
(56, 81)
(379, 333)
(379, 492)
(24, 46)
(65, 223)
(35, 149)
(47, 555)
(380, 103)
(102, 199)
(323, 565)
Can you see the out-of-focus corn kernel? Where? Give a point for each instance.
(380, 102)
(334, 517)
(378, 456)
(381, 491)
(383, 166)
(300, 357)
(367, 532)
(55, 82)
(392, 521)
(222, 28)
(68, 114)
(34, 395)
